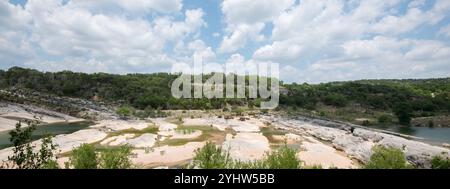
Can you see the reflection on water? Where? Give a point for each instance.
(44, 130)
(407, 130)
(435, 135)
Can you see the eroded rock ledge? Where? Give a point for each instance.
(358, 144)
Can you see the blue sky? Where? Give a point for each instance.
(312, 41)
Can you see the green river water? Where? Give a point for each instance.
(43, 130)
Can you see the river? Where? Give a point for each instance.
(434, 135)
(43, 130)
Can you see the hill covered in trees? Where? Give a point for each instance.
(404, 98)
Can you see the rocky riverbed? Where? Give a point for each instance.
(171, 142)
(358, 144)
(12, 113)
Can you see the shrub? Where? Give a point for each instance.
(365, 123)
(283, 158)
(84, 157)
(124, 111)
(384, 119)
(116, 158)
(211, 157)
(387, 158)
(439, 162)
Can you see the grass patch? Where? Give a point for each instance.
(151, 129)
(175, 120)
(269, 132)
(208, 133)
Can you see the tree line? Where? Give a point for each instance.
(405, 98)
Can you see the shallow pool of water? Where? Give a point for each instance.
(44, 130)
(436, 135)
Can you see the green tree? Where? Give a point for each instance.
(24, 155)
(404, 112)
(116, 158)
(387, 158)
(46, 157)
(84, 157)
(335, 99)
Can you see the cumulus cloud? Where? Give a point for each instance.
(71, 34)
(134, 6)
(445, 31)
(313, 41)
(245, 20)
(250, 11)
(358, 36)
(199, 49)
(240, 36)
(382, 57)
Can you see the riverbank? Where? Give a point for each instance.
(12, 113)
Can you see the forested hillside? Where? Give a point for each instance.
(404, 98)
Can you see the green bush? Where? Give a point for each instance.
(211, 157)
(84, 157)
(387, 158)
(116, 158)
(384, 119)
(214, 157)
(439, 162)
(283, 158)
(237, 111)
(124, 111)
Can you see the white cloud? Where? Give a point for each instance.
(280, 50)
(166, 28)
(12, 17)
(240, 36)
(133, 6)
(246, 19)
(251, 11)
(416, 3)
(70, 33)
(381, 57)
(327, 41)
(400, 24)
(201, 50)
(445, 31)
(313, 40)
(14, 46)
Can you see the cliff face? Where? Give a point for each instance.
(50, 104)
